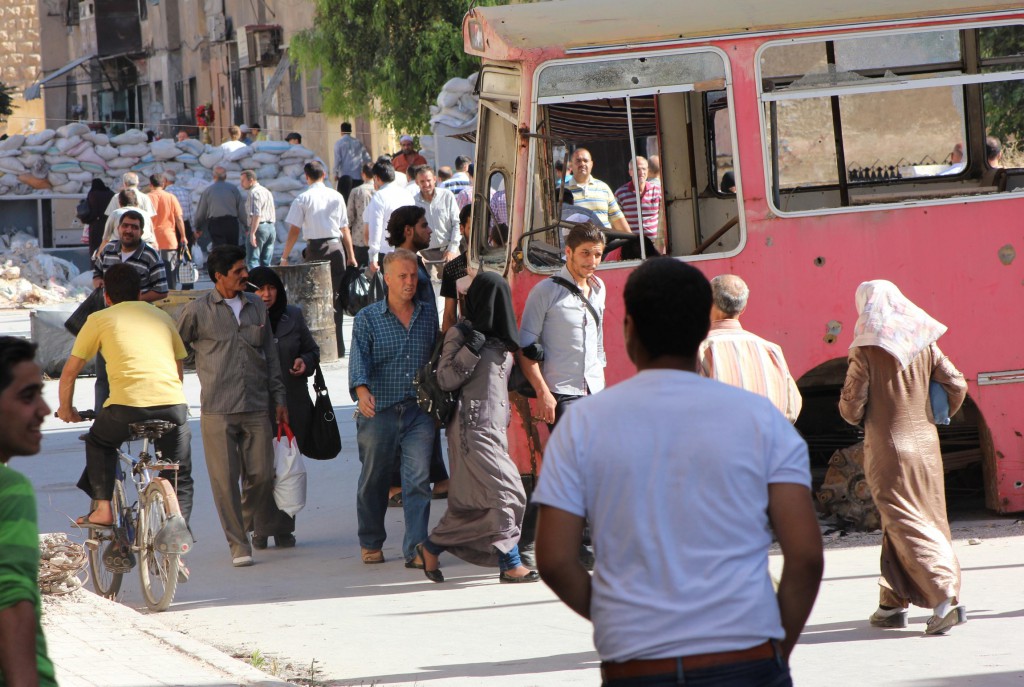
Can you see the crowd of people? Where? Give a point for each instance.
(665, 600)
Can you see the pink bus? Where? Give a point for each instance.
(860, 137)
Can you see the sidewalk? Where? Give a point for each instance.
(94, 642)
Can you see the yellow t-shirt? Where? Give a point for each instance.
(141, 345)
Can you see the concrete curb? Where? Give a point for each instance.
(81, 623)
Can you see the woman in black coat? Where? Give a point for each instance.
(299, 356)
(98, 198)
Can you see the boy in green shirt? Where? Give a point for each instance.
(23, 659)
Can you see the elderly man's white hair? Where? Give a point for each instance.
(130, 179)
(729, 293)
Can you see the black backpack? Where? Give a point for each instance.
(430, 397)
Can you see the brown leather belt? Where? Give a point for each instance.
(661, 666)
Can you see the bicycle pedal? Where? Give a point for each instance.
(118, 559)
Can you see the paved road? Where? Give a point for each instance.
(318, 605)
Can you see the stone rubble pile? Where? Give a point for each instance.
(66, 160)
(31, 277)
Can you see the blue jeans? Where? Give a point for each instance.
(404, 434)
(263, 253)
(510, 560)
(763, 673)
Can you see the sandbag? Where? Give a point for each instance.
(91, 157)
(295, 171)
(70, 187)
(93, 167)
(83, 176)
(284, 184)
(133, 150)
(107, 152)
(65, 167)
(97, 138)
(266, 158)
(12, 164)
(12, 142)
(122, 162)
(130, 137)
(187, 159)
(238, 154)
(249, 163)
(34, 182)
(40, 138)
(164, 149)
(57, 178)
(211, 157)
(192, 146)
(301, 152)
(268, 172)
(73, 129)
(65, 144)
(78, 148)
(271, 146)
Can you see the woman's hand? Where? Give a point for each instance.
(298, 368)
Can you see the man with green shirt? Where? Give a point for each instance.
(23, 659)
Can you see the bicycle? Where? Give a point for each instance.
(147, 526)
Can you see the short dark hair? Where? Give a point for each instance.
(293, 136)
(462, 163)
(221, 259)
(567, 197)
(465, 213)
(13, 350)
(367, 170)
(384, 171)
(414, 171)
(346, 127)
(156, 181)
(992, 147)
(314, 170)
(670, 303)
(133, 214)
(127, 196)
(583, 232)
(122, 283)
(405, 216)
(255, 126)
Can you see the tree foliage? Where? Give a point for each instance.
(386, 58)
(6, 100)
(1004, 101)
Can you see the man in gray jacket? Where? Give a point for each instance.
(221, 211)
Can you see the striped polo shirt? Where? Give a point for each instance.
(650, 206)
(597, 196)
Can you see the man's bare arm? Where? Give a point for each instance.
(293, 236)
(793, 518)
(350, 251)
(66, 390)
(181, 370)
(559, 535)
(18, 645)
(151, 296)
(451, 306)
(620, 224)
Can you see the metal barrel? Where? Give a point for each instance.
(309, 286)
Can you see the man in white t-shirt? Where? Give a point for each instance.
(682, 480)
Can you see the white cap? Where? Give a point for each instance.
(405, 138)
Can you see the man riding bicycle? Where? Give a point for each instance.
(144, 355)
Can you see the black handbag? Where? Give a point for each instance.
(363, 291)
(430, 397)
(93, 303)
(323, 440)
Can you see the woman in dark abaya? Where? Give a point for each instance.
(486, 500)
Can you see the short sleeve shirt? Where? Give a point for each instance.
(597, 196)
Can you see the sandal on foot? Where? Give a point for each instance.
(372, 556)
(395, 501)
(432, 575)
(84, 521)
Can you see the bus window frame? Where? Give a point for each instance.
(538, 102)
(764, 97)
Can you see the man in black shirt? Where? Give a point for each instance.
(453, 271)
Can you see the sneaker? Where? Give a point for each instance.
(940, 626)
(242, 561)
(892, 617)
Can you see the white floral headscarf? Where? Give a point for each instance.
(888, 319)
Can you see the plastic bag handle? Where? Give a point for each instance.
(287, 431)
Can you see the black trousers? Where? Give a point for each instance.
(223, 231)
(332, 251)
(345, 186)
(110, 430)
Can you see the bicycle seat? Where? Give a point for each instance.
(150, 429)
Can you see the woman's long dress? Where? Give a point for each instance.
(486, 500)
(903, 468)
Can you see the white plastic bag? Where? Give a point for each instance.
(290, 472)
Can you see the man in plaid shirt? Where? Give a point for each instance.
(391, 339)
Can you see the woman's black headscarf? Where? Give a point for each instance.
(489, 309)
(260, 277)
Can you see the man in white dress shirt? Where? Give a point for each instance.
(388, 197)
(442, 216)
(320, 214)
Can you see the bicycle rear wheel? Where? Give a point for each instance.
(158, 571)
(106, 583)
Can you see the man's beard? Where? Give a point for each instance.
(132, 242)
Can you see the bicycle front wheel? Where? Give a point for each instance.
(106, 583)
(157, 571)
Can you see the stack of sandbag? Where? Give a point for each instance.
(66, 160)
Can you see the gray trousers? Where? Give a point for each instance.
(239, 449)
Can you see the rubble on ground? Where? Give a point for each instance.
(30, 277)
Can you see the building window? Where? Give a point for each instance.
(314, 99)
(295, 91)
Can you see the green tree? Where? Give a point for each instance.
(388, 58)
(6, 100)
(1004, 101)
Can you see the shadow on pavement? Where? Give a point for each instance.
(584, 660)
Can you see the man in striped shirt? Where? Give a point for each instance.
(260, 218)
(650, 200)
(594, 194)
(737, 357)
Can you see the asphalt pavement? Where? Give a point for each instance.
(316, 615)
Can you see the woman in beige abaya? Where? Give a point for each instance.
(893, 359)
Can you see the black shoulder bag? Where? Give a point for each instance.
(430, 397)
(323, 438)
